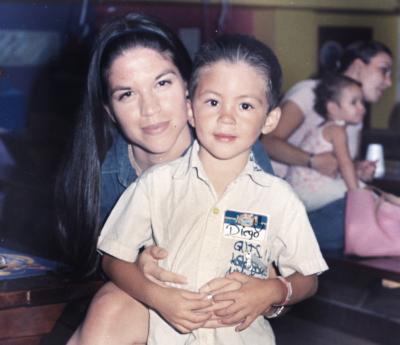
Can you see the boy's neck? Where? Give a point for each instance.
(222, 172)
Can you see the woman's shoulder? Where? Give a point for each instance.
(159, 173)
(302, 88)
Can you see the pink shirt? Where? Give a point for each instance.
(302, 94)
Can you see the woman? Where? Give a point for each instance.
(135, 116)
(370, 63)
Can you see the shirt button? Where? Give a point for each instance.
(215, 210)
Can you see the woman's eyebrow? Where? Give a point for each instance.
(164, 73)
(119, 88)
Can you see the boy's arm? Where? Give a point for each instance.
(177, 306)
(338, 137)
(257, 296)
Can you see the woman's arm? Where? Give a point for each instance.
(281, 150)
(338, 137)
(179, 307)
(147, 263)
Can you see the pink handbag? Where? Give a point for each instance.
(372, 223)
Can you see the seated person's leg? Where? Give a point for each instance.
(328, 225)
(113, 318)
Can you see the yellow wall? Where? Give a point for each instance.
(290, 27)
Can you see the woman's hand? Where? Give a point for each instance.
(251, 300)
(326, 164)
(365, 170)
(147, 263)
(218, 286)
(182, 309)
(213, 287)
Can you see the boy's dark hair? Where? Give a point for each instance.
(235, 48)
(329, 89)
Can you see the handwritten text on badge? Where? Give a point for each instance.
(245, 226)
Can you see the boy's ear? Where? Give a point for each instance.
(271, 121)
(190, 112)
(109, 113)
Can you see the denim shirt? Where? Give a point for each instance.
(117, 172)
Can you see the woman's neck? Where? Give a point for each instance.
(141, 159)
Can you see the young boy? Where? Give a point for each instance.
(215, 210)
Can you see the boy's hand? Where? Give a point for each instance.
(181, 309)
(147, 263)
(213, 287)
(250, 301)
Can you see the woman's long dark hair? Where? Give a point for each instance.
(77, 194)
(363, 50)
(337, 60)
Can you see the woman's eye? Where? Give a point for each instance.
(124, 95)
(246, 106)
(164, 82)
(385, 70)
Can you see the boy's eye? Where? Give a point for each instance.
(212, 102)
(246, 106)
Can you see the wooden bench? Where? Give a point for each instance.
(351, 298)
(382, 267)
(30, 307)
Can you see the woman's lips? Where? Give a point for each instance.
(156, 128)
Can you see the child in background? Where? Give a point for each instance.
(339, 99)
(215, 210)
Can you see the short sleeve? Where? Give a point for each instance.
(295, 247)
(128, 227)
(302, 94)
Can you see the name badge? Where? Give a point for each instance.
(245, 226)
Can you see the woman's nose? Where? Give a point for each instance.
(150, 104)
(362, 109)
(388, 80)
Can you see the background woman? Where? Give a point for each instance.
(370, 63)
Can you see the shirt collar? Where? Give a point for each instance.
(191, 161)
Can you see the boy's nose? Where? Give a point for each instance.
(227, 114)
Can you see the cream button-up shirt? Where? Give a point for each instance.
(257, 220)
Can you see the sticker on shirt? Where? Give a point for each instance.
(247, 258)
(245, 226)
